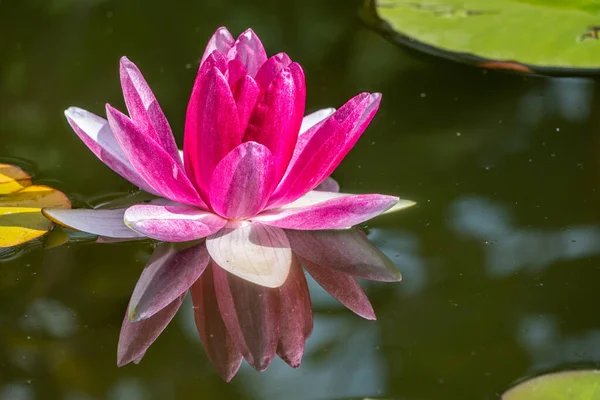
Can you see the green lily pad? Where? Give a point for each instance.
(552, 36)
(568, 385)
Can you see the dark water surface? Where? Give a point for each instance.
(501, 257)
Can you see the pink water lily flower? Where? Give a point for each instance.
(246, 183)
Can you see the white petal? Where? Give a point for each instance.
(255, 252)
(108, 223)
(314, 118)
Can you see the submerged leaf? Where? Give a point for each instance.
(21, 219)
(554, 36)
(580, 385)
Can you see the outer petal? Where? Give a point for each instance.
(136, 337)
(172, 223)
(328, 185)
(108, 223)
(314, 118)
(327, 210)
(295, 316)
(221, 41)
(257, 253)
(344, 288)
(243, 181)
(154, 164)
(251, 314)
(249, 51)
(324, 146)
(271, 68)
(218, 343)
(348, 251)
(211, 127)
(97, 135)
(277, 116)
(145, 110)
(169, 274)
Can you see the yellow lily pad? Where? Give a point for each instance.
(12, 179)
(21, 219)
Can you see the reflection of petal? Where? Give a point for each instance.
(257, 253)
(108, 223)
(343, 287)
(295, 316)
(169, 273)
(218, 342)
(348, 251)
(251, 314)
(136, 337)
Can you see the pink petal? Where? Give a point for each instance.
(136, 337)
(211, 127)
(107, 223)
(251, 314)
(249, 51)
(329, 185)
(327, 210)
(245, 92)
(314, 118)
(144, 109)
(169, 273)
(221, 41)
(323, 147)
(344, 288)
(153, 163)
(271, 68)
(348, 251)
(295, 316)
(95, 132)
(172, 223)
(218, 343)
(277, 116)
(243, 181)
(257, 253)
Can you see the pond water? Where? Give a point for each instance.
(500, 257)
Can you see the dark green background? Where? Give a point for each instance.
(501, 257)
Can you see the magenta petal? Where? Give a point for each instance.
(211, 127)
(144, 109)
(136, 337)
(95, 132)
(249, 51)
(243, 181)
(329, 185)
(251, 314)
(172, 223)
(169, 273)
(344, 288)
(257, 253)
(295, 316)
(271, 68)
(314, 118)
(348, 251)
(219, 345)
(153, 163)
(322, 148)
(277, 116)
(108, 223)
(245, 92)
(327, 210)
(221, 41)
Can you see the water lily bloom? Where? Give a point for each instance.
(21, 204)
(246, 184)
